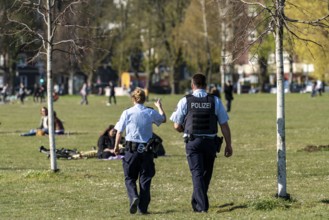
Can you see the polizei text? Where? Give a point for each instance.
(200, 105)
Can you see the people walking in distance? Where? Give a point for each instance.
(4, 93)
(319, 86)
(314, 90)
(21, 93)
(42, 92)
(112, 93)
(36, 92)
(84, 94)
(228, 91)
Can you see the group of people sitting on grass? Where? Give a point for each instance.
(105, 143)
(44, 125)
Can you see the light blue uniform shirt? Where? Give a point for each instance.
(181, 110)
(137, 121)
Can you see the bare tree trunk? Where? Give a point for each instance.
(223, 39)
(52, 147)
(281, 142)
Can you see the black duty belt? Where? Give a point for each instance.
(139, 147)
(192, 137)
(205, 137)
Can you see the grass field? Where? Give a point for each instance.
(243, 186)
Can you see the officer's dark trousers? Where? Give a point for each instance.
(201, 154)
(139, 165)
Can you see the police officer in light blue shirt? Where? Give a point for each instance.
(138, 160)
(198, 116)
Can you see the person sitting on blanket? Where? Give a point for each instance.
(106, 143)
(59, 127)
(43, 126)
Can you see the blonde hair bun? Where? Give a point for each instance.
(138, 95)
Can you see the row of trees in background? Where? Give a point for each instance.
(208, 36)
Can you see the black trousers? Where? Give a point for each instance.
(139, 166)
(110, 99)
(201, 154)
(228, 105)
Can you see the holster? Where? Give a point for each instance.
(218, 142)
(188, 138)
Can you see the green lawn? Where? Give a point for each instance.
(243, 186)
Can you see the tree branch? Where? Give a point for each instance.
(38, 5)
(298, 37)
(68, 7)
(258, 39)
(258, 4)
(28, 29)
(316, 22)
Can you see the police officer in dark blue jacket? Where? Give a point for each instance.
(138, 161)
(198, 116)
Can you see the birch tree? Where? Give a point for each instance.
(223, 8)
(278, 23)
(52, 14)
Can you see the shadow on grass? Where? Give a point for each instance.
(66, 133)
(12, 132)
(229, 207)
(19, 168)
(7, 132)
(263, 204)
(173, 156)
(315, 148)
(325, 201)
(162, 212)
(271, 203)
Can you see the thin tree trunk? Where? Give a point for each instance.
(223, 38)
(52, 147)
(281, 142)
